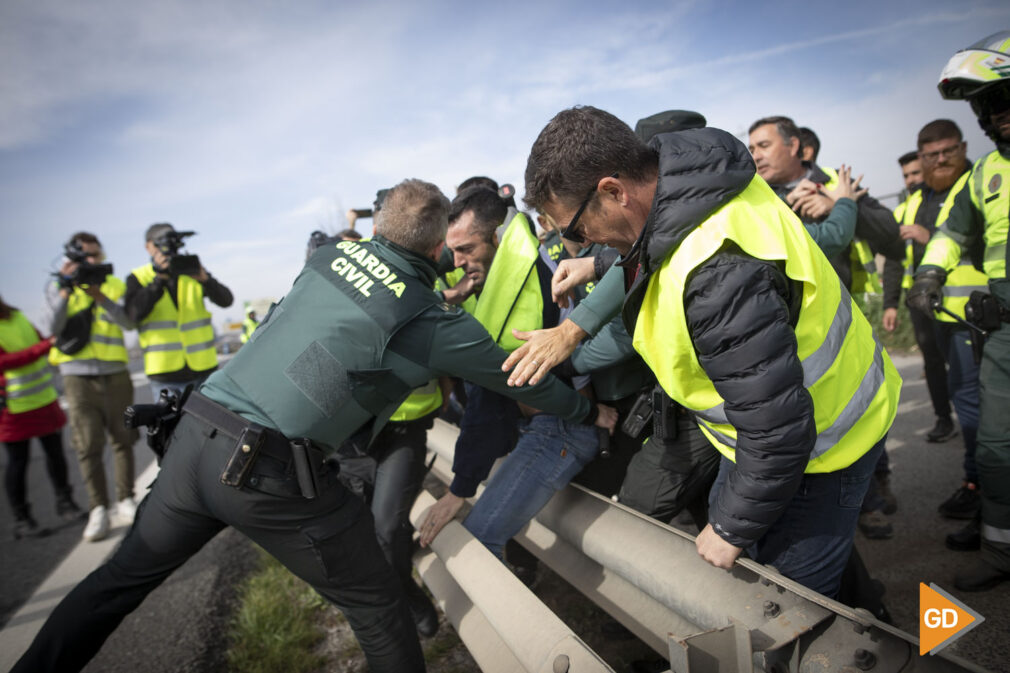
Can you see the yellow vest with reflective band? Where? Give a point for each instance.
(964, 278)
(248, 327)
(905, 215)
(511, 297)
(990, 192)
(850, 378)
(989, 183)
(176, 337)
(422, 401)
(29, 387)
(861, 261)
(106, 342)
(444, 282)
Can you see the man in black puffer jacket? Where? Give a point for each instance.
(744, 323)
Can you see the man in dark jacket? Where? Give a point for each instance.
(722, 320)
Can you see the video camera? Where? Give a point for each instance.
(169, 243)
(86, 273)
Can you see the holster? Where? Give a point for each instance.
(308, 463)
(236, 471)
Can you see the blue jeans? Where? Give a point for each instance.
(962, 378)
(549, 453)
(811, 541)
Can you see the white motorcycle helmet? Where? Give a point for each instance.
(980, 74)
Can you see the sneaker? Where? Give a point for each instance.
(942, 431)
(875, 525)
(968, 538)
(884, 489)
(964, 504)
(98, 524)
(126, 510)
(67, 509)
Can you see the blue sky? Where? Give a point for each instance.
(255, 122)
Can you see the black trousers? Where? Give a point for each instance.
(328, 541)
(17, 468)
(927, 338)
(388, 476)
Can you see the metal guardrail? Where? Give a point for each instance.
(504, 625)
(649, 577)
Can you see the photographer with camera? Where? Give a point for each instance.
(165, 299)
(91, 355)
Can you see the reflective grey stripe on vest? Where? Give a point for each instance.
(963, 290)
(857, 406)
(853, 411)
(978, 182)
(27, 378)
(994, 253)
(870, 267)
(112, 341)
(206, 345)
(194, 324)
(814, 365)
(156, 324)
(163, 347)
(25, 392)
(994, 534)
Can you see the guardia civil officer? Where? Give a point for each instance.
(743, 321)
(356, 333)
(975, 225)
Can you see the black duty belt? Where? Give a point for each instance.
(252, 439)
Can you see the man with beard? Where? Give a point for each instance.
(944, 342)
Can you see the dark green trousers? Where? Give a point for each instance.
(328, 541)
(993, 452)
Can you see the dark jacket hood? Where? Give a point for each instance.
(699, 171)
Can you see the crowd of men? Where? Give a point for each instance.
(683, 337)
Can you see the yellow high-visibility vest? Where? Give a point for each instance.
(511, 297)
(850, 378)
(106, 343)
(176, 337)
(30, 386)
(963, 279)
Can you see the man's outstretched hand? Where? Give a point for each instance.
(544, 349)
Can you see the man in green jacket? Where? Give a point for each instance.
(360, 328)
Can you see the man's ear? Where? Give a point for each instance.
(613, 188)
(436, 252)
(794, 147)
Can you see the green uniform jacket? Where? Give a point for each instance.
(317, 347)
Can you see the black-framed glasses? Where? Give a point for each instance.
(569, 232)
(943, 153)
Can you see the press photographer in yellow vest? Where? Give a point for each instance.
(166, 301)
(89, 324)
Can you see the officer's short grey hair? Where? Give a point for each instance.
(415, 214)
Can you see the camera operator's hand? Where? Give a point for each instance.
(200, 277)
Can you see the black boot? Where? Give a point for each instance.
(968, 538)
(25, 525)
(422, 610)
(67, 509)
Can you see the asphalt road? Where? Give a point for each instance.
(180, 626)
